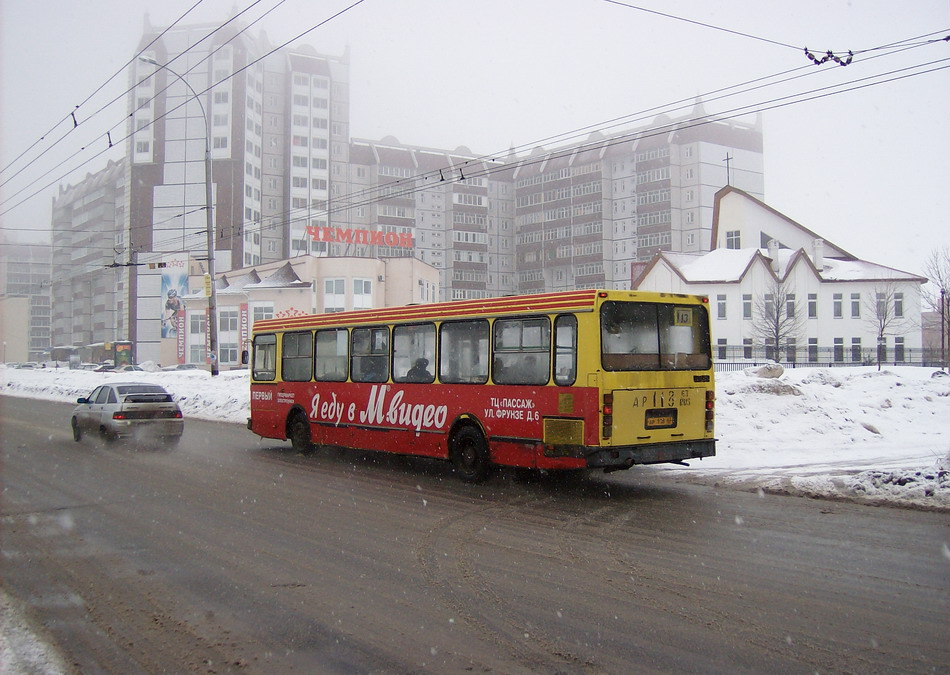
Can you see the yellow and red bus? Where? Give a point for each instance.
(572, 380)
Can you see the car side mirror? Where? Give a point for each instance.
(82, 401)
(244, 357)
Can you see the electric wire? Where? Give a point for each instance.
(107, 135)
(353, 200)
(791, 99)
(96, 91)
(167, 112)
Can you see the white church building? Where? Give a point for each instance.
(770, 279)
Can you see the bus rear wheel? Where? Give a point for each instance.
(299, 433)
(470, 455)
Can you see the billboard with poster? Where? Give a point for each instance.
(174, 288)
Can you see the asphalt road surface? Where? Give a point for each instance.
(232, 554)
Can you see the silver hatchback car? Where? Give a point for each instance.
(129, 410)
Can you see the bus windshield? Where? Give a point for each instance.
(654, 336)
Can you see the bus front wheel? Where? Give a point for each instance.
(299, 433)
(470, 455)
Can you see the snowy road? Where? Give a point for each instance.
(235, 555)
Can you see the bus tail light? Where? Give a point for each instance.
(608, 415)
(710, 410)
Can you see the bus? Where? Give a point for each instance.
(583, 379)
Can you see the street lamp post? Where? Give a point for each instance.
(209, 213)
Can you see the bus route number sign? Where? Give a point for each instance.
(683, 316)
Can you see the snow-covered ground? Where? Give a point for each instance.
(843, 433)
(859, 434)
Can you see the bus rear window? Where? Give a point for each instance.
(654, 336)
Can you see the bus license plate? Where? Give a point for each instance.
(660, 418)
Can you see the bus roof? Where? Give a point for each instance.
(579, 300)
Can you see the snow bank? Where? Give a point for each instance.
(880, 437)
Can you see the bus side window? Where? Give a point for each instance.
(331, 355)
(565, 349)
(297, 357)
(265, 357)
(413, 352)
(522, 351)
(463, 352)
(369, 354)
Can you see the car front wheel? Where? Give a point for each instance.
(77, 430)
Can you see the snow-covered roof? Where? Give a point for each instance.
(731, 265)
(724, 264)
(862, 270)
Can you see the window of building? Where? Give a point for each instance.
(262, 312)
(899, 306)
(220, 142)
(747, 306)
(221, 97)
(334, 295)
(228, 353)
(732, 239)
(747, 348)
(362, 294)
(839, 350)
(812, 305)
(197, 322)
(882, 349)
(197, 353)
(856, 349)
(899, 349)
(836, 306)
(721, 348)
(790, 305)
(227, 320)
(813, 350)
(855, 305)
(720, 306)
(791, 349)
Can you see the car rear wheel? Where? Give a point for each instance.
(77, 430)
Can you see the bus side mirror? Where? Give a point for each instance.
(244, 357)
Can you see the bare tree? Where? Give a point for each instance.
(777, 318)
(885, 315)
(937, 293)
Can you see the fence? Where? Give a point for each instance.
(732, 357)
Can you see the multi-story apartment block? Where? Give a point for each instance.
(587, 213)
(89, 285)
(24, 301)
(274, 122)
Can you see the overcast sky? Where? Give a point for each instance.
(867, 169)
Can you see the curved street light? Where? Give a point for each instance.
(209, 204)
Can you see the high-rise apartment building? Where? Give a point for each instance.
(24, 301)
(275, 122)
(89, 284)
